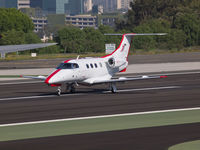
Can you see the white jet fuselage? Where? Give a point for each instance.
(86, 71)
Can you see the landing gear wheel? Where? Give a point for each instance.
(70, 88)
(113, 88)
(59, 91)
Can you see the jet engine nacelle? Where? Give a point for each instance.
(111, 62)
(117, 63)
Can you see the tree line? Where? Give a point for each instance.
(179, 18)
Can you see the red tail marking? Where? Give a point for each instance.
(117, 48)
(124, 70)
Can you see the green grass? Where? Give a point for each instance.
(97, 125)
(10, 76)
(194, 145)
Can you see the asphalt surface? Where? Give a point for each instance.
(92, 101)
(133, 59)
(156, 138)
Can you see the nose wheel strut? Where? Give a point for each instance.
(59, 91)
(71, 88)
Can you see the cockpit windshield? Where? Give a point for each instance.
(68, 66)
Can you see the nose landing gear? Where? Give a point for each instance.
(70, 87)
(59, 91)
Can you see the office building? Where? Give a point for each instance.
(39, 23)
(81, 21)
(123, 4)
(23, 4)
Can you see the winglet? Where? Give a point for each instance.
(163, 77)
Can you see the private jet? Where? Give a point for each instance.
(92, 71)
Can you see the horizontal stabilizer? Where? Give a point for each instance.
(136, 34)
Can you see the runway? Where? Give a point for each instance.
(36, 102)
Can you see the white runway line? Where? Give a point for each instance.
(78, 94)
(97, 117)
(147, 89)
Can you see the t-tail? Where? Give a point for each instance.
(119, 57)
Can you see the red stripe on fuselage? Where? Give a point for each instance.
(66, 61)
(50, 76)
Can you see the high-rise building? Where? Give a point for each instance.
(60, 6)
(108, 5)
(87, 5)
(75, 7)
(2, 3)
(50, 6)
(23, 4)
(9, 3)
(36, 3)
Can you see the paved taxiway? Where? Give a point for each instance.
(35, 102)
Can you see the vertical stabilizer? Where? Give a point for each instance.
(119, 57)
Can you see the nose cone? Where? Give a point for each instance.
(51, 79)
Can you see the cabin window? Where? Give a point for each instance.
(95, 65)
(68, 66)
(91, 65)
(74, 66)
(87, 66)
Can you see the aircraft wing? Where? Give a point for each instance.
(34, 77)
(124, 79)
(14, 48)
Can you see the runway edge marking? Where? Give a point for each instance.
(102, 116)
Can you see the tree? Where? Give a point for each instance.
(13, 19)
(94, 40)
(12, 37)
(189, 23)
(71, 39)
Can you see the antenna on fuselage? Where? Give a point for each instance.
(77, 57)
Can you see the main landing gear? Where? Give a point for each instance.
(69, 87)
(113, 87)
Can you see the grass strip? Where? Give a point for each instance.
(97, 125)
(194, 145)
(10, 76)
